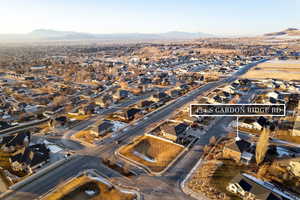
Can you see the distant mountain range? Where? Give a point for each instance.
(46, 34)
(54, 35)
(286, 32)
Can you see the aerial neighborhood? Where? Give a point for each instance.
(112, 120)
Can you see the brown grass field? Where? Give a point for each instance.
(75, 190)
(283, 70)
(161, 151)
(85, 136)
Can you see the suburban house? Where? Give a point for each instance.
(175, 93)
(168, 132)
(248, 189)
(145, 80)
(58, 121)
(173, 132)
(30, 157)
(104, 101)
(105, 127)
(131, 112)
(121, 94)
(11, 143)
(240, 151)
(161, 97)
(250, 126)
(228, 89)
(272, 94)
(294, 167)
(146, 104)
(184, 87)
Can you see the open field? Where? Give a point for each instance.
(275, 69)
(152, 152)
(77, 117)
(84, 187)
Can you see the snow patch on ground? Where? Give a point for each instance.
(54, 148)
(90, 192)
(118, 125)
(282, 152)
(146, 158)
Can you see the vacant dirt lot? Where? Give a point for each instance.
(80, 187)
(86, 136)
(152, 152)
(277, 69)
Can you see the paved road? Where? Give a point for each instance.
(22, 127)
(166, 187)
(74, 145)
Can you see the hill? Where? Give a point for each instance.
(287, 32)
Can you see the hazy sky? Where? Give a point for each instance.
(150, 16)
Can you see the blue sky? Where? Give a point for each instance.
(150, 16)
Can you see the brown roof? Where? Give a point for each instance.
(166, 128)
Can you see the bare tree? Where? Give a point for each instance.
(213, 140)
(262, 146)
